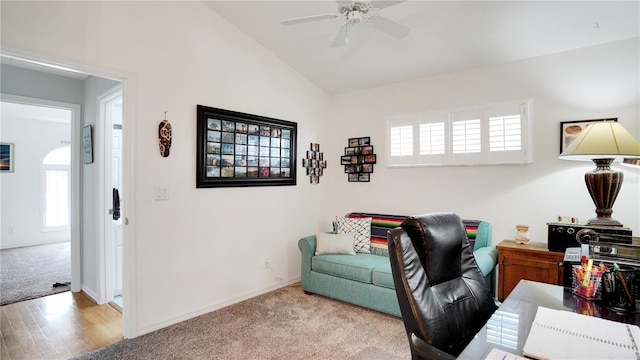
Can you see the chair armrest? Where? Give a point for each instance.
(486, 258)
(426, 351)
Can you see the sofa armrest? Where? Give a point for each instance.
(483, 236)
(307, 246)
(486, 258)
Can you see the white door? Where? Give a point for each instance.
(115, 110)
(111, 111)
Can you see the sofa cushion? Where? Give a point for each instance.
(358, 267)
(381, 223)
(382, 276)
(334, 244)
(361, 230)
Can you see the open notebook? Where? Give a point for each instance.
(558, 334)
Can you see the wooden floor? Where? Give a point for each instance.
(57, 327)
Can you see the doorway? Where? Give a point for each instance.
(40, 218)
(89, 203)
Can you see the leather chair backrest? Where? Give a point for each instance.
(443, 297)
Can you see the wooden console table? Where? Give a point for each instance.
(532, 261)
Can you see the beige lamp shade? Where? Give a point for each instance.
(602, 140)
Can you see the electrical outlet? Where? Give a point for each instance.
(267, 263)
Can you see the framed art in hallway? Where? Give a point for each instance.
(7, 162)
(237, 149)
(570, 130)
(87, 144)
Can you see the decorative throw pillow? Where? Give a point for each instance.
(361, 230)
(334, 244)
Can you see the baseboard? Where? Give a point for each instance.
(91, 294)
(208, 309)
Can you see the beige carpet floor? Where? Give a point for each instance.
(283, 324)
(30, 272)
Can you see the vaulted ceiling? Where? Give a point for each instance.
(445, 36)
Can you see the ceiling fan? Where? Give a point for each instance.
(355, 12)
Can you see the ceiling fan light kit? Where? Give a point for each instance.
(356, 12)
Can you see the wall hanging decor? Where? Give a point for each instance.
(314, 163)
(238, 149)
(6, 157)
(164, 136)
(569, 130)
(358, 159)
(87, 144)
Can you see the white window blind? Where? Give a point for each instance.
(401, 140)
(505, 133)
(465, 136)
(432, 138)
(56, 204)
(484, 135)
(55, 189)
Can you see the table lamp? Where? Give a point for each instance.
(603, 142)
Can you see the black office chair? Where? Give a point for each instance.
(443, 297)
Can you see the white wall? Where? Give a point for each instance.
(591, 83)
(21, 190)
(34, 139)
(202, 248)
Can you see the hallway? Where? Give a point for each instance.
(59, 326)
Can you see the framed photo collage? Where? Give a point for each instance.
(358, 159)
(237, 149)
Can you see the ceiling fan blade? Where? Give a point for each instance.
(341, 37)
(389, 27)
(308, 19)
(381, 4)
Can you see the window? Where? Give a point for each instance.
(55, 189)
(486, 135)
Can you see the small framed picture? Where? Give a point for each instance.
(364, 141)
(353, 177)
(367, 168)
(570, 130)
(363, 177)
(354, 142)
(7, 162)
(345, 160)
(87, 144)
(370, 159)
(367, 150)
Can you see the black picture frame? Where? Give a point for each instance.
(358, 159)
(569, 130)
(247, 150)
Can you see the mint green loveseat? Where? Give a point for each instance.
(365, 279)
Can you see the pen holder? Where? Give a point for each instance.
(593, 288)
(615, 296)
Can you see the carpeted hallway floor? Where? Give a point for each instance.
(30, 272)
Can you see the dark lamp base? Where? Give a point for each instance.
(604, 222)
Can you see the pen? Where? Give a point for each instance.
(623, 282)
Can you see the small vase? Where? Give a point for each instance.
(522, 234)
